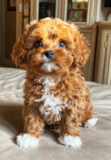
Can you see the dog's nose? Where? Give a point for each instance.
(49, 54)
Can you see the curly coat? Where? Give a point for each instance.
(55, 91)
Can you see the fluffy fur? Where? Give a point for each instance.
(26, 140)
(90, 122)
(70, 141)
(55, 91)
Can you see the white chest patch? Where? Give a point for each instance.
(51, 104)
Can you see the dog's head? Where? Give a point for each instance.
(51, 45)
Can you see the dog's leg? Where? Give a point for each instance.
(70, 134)
(33, 126)
(88, 120)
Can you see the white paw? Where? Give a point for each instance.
(70, 141)
(90, 122)
(26, 140)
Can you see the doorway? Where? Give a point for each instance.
(9, 33)
(1, 35)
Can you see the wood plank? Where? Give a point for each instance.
(1, 52)
(107, 59)
(100, 56)
(104, 23)
(85, 69)
(92, 53)
(18, 20)
(109, 72)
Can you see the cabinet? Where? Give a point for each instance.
(90, 35)
(80, 12)
(103, 54)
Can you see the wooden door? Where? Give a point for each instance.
(109, 71)
(107, 63)
(19, 16)
(85, 69)
(103, 52)
(88, 69)
(1, 48)
(9, 35)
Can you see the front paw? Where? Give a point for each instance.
(90, 123)
(25, 140)
(70, 141)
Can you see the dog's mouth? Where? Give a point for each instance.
(49, 66)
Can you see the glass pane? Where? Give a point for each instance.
(77, 10)
(26, 7)
(26, 13)
(46, 8)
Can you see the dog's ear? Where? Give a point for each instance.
(19, 51)
(81, 49)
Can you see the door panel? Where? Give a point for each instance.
(1, 51)
(47, 8)
(102, 56)
(9, 36)
(85, 69)
(107, 73)
(80, 12)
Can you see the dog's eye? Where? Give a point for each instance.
(61, 44)
(38, 44)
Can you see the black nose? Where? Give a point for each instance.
(49, 54)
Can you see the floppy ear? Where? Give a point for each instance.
(19, 51)
(81, 49)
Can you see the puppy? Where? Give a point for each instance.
(55, 92)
